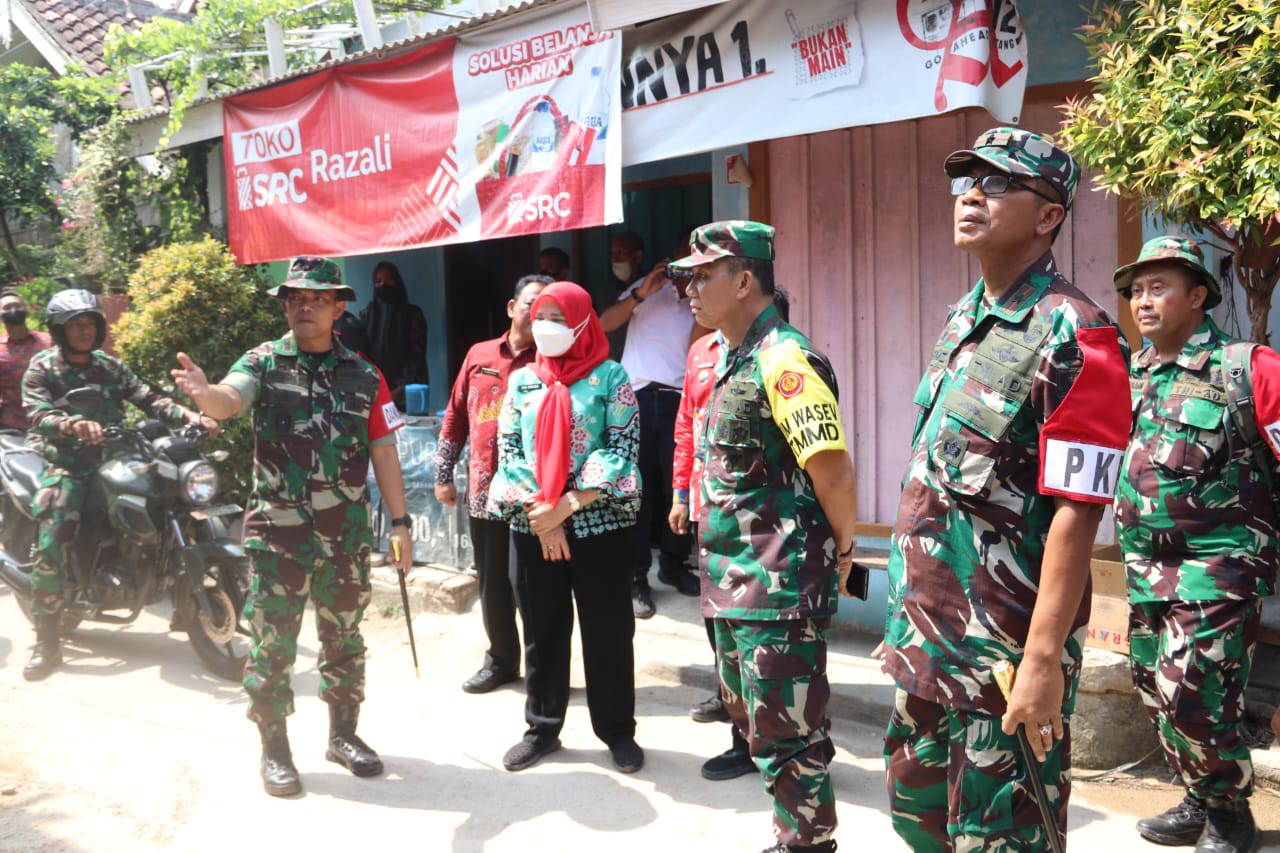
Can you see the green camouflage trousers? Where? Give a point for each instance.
(958, 783)
(339, 589)
(1191, 663)
(56, 507)
(774, 683)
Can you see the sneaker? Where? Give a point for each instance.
(528, 752)
(641, 598)
(729, 764)
(710, 711)
(1228, 828)
(685, 581)
(628, 757)
(1180, 825)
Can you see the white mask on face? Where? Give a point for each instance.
(553, 339)
(622, 271)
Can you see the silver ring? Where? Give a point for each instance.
(1046, 730)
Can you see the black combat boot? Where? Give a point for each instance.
(345, 747)
(279, 776)
(828, 846)
(1180, 825)
(47, 655)
(1229, 828)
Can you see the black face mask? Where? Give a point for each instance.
(14, 316)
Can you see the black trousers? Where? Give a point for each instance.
(491, 543)
(658, 406)
(600, 584)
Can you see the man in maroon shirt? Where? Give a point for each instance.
(472, 412)
(16, 349)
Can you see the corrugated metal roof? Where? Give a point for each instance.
(386, 51)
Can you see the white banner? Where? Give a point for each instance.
(761, 69)
(538, 125)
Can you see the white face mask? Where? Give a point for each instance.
(622, 271)
(553, 339)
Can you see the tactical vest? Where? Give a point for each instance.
(996, 383)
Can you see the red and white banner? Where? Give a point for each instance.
(503, 133)
(761, 69)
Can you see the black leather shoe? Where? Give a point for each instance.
(627, 756)
(47, 654)
(488, 678)
(729, 764)
(1180, 825)
(685, 581)
(279, 776)
(710, 711)
(642, 599)
(1229, 828)
(528, 752)
(346, 747)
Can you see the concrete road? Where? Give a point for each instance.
(132, 747)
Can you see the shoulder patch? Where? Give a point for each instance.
(789, 384)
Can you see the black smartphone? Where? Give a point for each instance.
(856, 583)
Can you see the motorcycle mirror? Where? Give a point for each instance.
(84, 398)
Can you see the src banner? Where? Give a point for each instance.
(498, 134)
(814, 66)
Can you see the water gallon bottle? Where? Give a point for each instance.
(593, 107)
(415, 399)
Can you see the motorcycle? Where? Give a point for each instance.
(149, 529)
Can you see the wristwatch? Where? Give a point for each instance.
(635, 294)
(574, 503)
(402, 521)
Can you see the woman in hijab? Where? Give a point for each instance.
(397, 332)
(569, 486)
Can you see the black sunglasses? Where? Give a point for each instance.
(994, 184)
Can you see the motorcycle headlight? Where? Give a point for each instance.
(198, 482)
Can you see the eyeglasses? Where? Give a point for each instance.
(994, 184)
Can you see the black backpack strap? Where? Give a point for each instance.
(1237, 376)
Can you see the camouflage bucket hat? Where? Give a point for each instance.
(307, 272)
(731, 238)
(1178, 250)
(1021, 152)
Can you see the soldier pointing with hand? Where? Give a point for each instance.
(321, 415)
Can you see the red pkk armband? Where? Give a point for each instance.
(680, 496)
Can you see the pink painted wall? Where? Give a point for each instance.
(864, 247)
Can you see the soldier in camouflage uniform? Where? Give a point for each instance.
(776, 529)
(321, 415)
(71, 440)
(1015, 454)
(1198, 527)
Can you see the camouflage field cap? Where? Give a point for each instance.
(1020, 152)
(1178, 250)
(308, 272)
(730, 238)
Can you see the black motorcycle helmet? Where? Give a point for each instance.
(66, 305)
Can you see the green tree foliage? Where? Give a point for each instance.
(32, 103)
(222, 46)
(1185, 115)
(104, 230)
(192, 298)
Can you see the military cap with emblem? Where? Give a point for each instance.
(729, 238)
(1020, 152)
(1179, 250)
(308, 272)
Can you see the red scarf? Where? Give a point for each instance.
(553, 429)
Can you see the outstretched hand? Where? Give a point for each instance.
(190, 377)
